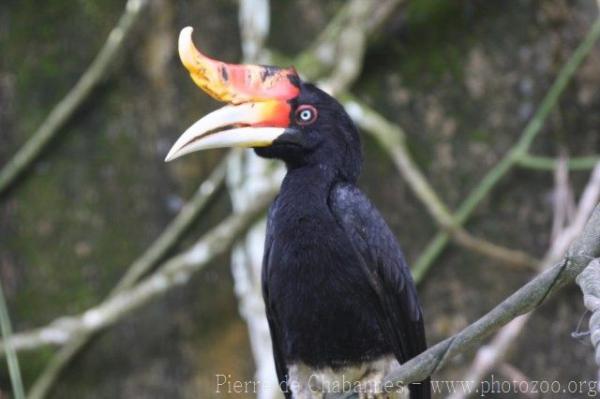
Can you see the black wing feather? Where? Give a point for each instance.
(280, 366)
(388, 272)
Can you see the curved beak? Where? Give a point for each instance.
(255, 124)
(259, 95)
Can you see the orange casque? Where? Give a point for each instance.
(235, 83)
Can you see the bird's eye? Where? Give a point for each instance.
(306, 114)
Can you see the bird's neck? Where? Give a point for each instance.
(308, 183)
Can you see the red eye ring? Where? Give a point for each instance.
(306, 114)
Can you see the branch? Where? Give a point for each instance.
(169, 237)
(587, 202)
(585, 248)
(109, 311)
(61, 113)
(516, 376)
(563, 199)
(351, 46)
(141, 266)
(347, 24)
(589, 282)
(323, 56)
(392, 139)
(11, 355)
(175, 230)
(246, 175)
(547, 163)
(515, 154)
(390, 136)
(488, 356)
(174, 272)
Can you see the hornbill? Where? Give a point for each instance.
(340, 301)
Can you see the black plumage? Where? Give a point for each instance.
(340, 300)
(337, 289)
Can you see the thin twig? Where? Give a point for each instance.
(175, 230)
(392, 139)
(547, 163)
(44, 382)
(179, 269)
(587, 202)
(515, 154)
(157, 249)
(172, 273)
(323, 55)
(127, 308)
(589, 282)
(246, 175)
(62, 111)
(490, 355)
(563, 199)
(585, 248)
(516, 376)
(351, 46)
(11, 355)
(391, 136)
(495, 352)
(141, 266)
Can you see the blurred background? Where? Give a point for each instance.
(462, 78)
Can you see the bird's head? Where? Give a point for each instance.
(271, 110)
